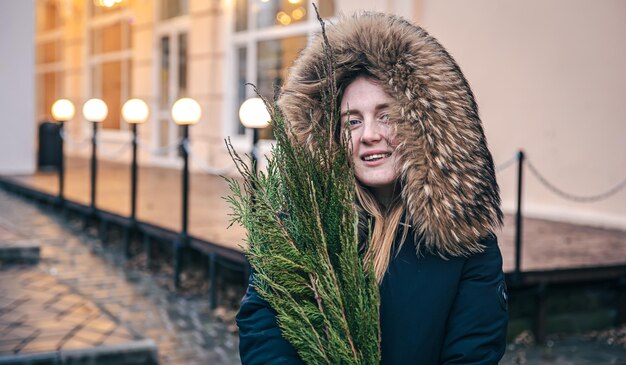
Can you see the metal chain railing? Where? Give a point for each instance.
(115, 153)
(158, 150)
(204, 167)
(74, 144)
(110, 154)
(573, 197)
(506, 164)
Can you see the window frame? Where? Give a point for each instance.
(249, 39)
(167, 27)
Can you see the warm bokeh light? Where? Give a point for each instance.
(63, 110)
(298, 13)
(294, 1)
(283, 18)
(95, 110)
(107, 3)
(253, 113)
(186, 111)
(135, 111)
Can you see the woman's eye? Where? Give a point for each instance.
(353, 122)
(384, 118)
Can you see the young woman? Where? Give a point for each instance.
(426, 180)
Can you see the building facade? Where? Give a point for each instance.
(548, 77)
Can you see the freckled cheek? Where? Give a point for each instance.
(392, 140)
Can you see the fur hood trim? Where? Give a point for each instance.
(447, 175)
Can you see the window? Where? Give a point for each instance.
(268, 36)
(172, 67)
(49, 57)
(173, 8)
(110, 64)
(48, 17)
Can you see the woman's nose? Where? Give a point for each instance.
(372, 131)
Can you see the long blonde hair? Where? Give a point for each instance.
(380, 223)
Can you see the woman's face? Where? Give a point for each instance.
(373, 141)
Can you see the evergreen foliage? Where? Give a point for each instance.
(302, 235)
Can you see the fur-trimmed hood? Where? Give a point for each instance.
(448, 180)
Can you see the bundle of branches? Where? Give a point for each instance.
(303, 245)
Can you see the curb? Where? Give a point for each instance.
(140, 352)
(19, 252)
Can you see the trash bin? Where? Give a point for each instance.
(49, 156)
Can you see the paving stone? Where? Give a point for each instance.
(90, 336)
(117, 337)
(41, 345)
(57, 332)
(102, 325)
(54, 323)
(9, 346)
(76, 343)
(18, 332)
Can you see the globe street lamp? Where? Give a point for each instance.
(253, 114)
(185, 112)
(62, 111)
(134, 111)
(94, 111)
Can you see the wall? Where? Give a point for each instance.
(549, 77)
(17, 102)
(206, 67)
(406, 8)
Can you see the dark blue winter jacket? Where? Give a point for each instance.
(433, 311)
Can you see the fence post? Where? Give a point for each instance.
(61, 171)
(147, 247)
(183, 240)
(132, 226)
(540, 314)
(212, 280)
(518, 215)
(621, 301)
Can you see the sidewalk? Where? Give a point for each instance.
(546, 245)
(77, 302)
(570, 350)
(42, 319)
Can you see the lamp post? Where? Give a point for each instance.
(134, 111)
(62, 111)
(253, 114)
(94, 111)
(185, 112)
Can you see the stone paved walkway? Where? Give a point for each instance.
(74, 272)
(74, 266)
(571, 350)
(40, 317)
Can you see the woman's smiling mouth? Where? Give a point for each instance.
(375, 156)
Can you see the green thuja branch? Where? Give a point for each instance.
(302, 238)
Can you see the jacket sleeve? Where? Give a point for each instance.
(260, 339)
(477, 323)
